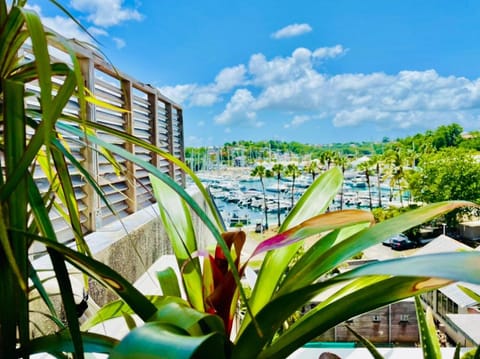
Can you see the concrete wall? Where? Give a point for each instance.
(129, 246)
(132, 251)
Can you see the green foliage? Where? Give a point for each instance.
(427, 330)
(288, 280)
(200, 325)
(450, 174)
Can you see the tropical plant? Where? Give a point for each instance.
(365, 167)
(292, 170)
(327, 157)
(34, 93)
(277, 171)
(395, 160)
(261, 172)
(376, 162)
(201, 323)
(283, 287)
(342, 162)
(312, 169)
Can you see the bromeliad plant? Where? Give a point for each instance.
(201, 323)
(285, 284)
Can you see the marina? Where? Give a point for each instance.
(241, 202)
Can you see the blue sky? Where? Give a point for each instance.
(309, 71)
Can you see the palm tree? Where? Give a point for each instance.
(375, 161)
(313, 169)
(365, 168)
(277, 170)
(327, 158)
(396, 160)
(293, 171)
(342, 162)
(261, 172)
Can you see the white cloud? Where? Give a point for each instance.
(178, 93)
(282, 87)
(329, 52)
(119, 43)
(239, 106)
(230, 77)
(96, 31)
(207, 95)
(106, 13)
(292, 31)
(66, 27)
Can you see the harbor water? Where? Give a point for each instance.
(239, 196)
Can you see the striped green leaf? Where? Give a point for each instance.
(169, 282)
(314, 201)
(62, 342)
(376, 285)
(428, 333)
(116, 308)
(158, 340)
(178, 224)
(366, 343)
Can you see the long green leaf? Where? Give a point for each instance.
(70, 199)
(464, 266)
(428, 333)
(308, 268)
(41, 290)
(169, 157)
(366, 343)
(62, 342)
(313, 202)
(106, 276)
(178, 224)
(157, 340)
(10, 41)
(42, 62)
(364, 294)
(475, 296)
(169, 282)
(16, 210)
(44, 224)
(38, 139)
(347, 248)
(3, 12)
(458, 348)
(175, 186)
(313, 226)
(115, 309)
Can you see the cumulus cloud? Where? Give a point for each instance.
(284, 87)
(106, 13)
(66, 27)
(292, 31)
(207, 95)
(239, 107)
(70, 30)
(179, 93)
(63, 25)
(329, 52)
